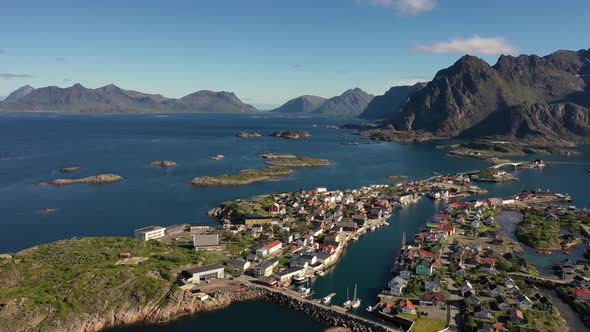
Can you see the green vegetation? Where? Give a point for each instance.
(388, 135)
(542, 320)
(428, 325)
(540, 228)
(246, 176)
(298, 162)
(80, 275)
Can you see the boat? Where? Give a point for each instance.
(305, 290)
(356, 302)
(348, 302)
(370, 309)
(320, 273)
(299, 279)
(326, 299)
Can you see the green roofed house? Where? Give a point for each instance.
(424, 268)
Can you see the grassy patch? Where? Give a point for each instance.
(428, 325)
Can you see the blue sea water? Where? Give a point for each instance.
(33, 147)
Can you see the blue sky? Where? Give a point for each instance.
(268, 51)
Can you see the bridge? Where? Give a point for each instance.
(539, 281)
(513, 164)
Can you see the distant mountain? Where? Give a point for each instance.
(524, 96)
(112, 99)
(389, 104)
(302, 104)
(19, 93)
(349, 104)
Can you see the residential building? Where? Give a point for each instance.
(202, 273)
(266, 268)
(516, 317)
(407, 307)
(288, 274)
(150, 233)
(523, 301)
(238, 264)
(467, 287)
(424, 268)
(174, 230)
(581, 294)
(434, 299)
(397, 285)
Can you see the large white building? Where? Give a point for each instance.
(202, 273)
(150, 233)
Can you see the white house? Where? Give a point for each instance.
(397, 285)
(265, 269)
(238, 264)
(432, 286)
(467, 287)
(406, 274)
(524, 302)
(150, 233)
(202, 273)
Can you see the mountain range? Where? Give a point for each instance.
(521, 97)
(112, 99)
(349, 104)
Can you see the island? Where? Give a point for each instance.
(276, 155)
(246, 176)
(217, 157)
(70, 169)
(489, 149)
(163, 163)
(298, 162)
(492, 175)
(95, 179)
(291, 134)
(391, 135)
(248, 135)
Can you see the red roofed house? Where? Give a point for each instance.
(274, 246)
(581, 294)
(274, 209)
(426, 254)
(406, 307)
(295, 249)
(458, 204)
(449, 229)
(442, 218)
(432, 299)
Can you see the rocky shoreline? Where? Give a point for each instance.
(95, 179)
(291, 134)
(163, 163)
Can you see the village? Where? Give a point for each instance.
(456, 270)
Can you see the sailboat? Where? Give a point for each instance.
(356, 302)
(348, 301)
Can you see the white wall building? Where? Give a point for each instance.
(150, 233)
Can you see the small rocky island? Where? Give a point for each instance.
(291, 134)
(95, 179)
(217, 157)
(163, 163)
(492, 175)
(276, 155)
(246, 176)
(248, 135)
(298, 162)
(70, 169)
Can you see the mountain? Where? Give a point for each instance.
(18, 93)
(302, 104)
(349, 104)
(389, 104)
(112, 99)
(522, 96)
(210, 101)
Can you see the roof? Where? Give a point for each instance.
(274, 244)
(437, 296)
(516, 313)
(269, 263)
(150, 228)
(205, 240)
(203, 268)
(581, 292)
(407, 303)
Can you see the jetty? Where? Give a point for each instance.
(332, 315)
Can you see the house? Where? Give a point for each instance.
(397, 285)
(434, 299)
(502, 303)
(150, 233)
(509, 283)
(274, 209)
(470, 298)
(523, 301)
(516, 317)
(483, 312)
(266, 268)
(325, 257)
(581, 294)
(288, 238)
(424, 268)
(202, 273)
(406, 274)
(174, 230)
(581, 282)
(202, 228)
(288, 274)
(303, 259)
(406, 307)
(238, 264)
(274, 246)
(206, 241)
(466, 287)
(432, 285)
(545, 304)
(347, 226)
(252, 258)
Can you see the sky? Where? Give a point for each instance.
(269, 51)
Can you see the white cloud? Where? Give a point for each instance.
(473, 45)
(8, 76)
(405, 7)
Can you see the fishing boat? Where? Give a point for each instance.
(356, 302)
(348, 302)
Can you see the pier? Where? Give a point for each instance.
(333, 315)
